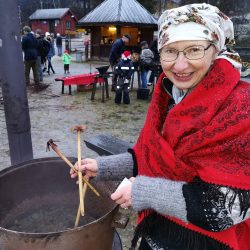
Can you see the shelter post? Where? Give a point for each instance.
(13, 84)
(118, 34)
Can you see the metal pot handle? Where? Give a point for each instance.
(120, 220)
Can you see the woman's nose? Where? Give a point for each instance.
(181, 63)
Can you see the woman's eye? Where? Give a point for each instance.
(169, 51)
(193, 50)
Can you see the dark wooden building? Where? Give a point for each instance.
(54, 21)
(114, 18)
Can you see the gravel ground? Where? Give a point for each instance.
(53, 114)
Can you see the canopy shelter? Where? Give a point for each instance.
(114, 18)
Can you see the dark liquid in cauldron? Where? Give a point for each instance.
(47, 220)
(42, 215)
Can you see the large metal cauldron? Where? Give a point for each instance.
(38, 205)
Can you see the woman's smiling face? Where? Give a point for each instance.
(185, 73)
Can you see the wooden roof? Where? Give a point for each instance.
(119, 12)
(45, 14)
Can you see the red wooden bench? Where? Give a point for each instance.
(82, 79)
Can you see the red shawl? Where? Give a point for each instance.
(206, 135)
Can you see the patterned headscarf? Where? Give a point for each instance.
(199, 22)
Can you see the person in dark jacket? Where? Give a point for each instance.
(115, 54)
(59, 44)
(154, 49)
(146, 62)
(29, 47)
(124, 70)
(50, 54)
(40, 53)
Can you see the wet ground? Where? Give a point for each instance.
(53, 114)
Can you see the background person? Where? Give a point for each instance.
(59, 44)
(66, 61)
(146, 62)
(154, 69)
(118, 47)
(124, 70)
(29, 47)
(191, 162)
(43, 48)
(50, 54)
(39, 52)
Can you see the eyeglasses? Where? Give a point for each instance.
(191, 53)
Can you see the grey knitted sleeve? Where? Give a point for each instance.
(115, 167)
(162, 195)
(174, 198)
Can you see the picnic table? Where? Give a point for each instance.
(105, 85)
(82, 79)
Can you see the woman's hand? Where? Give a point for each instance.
(88, 167)
(122, 195)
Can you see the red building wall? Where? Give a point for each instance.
(42, 25)
(60, 26)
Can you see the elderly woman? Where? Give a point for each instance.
(191, 183)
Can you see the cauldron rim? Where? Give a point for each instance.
(12, 168)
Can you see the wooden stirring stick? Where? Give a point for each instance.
(51, 144)
(80, 175)
(79, 208)
(79, 129)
